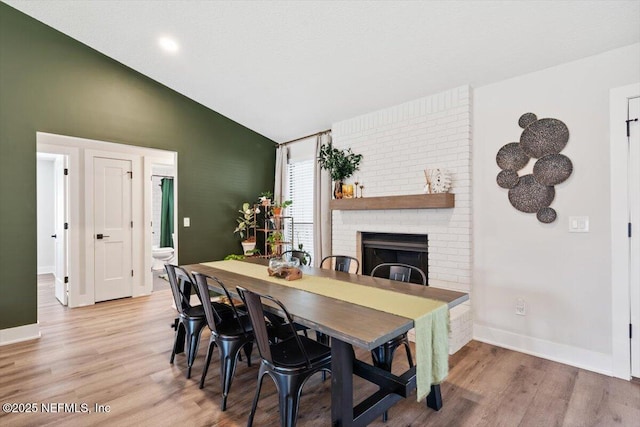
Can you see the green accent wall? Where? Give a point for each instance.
(52, 83)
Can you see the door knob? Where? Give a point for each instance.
(100, 236)
(54, 235)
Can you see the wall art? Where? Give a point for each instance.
(541, 139)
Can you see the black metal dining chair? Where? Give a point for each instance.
(305, 259)
(340, 263)
(303, 256)
(230, 335)
(383, 355)
(191, 318)
(290, 363)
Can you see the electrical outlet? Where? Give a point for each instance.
(521, 307)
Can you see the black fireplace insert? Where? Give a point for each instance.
(412, 249)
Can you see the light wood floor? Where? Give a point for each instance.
(117, 353)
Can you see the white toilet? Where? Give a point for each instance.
(161, 256)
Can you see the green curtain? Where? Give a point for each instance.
(166, 215)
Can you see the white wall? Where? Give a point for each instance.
(397, 144)
(563, 277)
(46, 211)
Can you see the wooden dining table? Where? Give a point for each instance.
(348, 325)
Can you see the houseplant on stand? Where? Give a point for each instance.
(265, 198)
(247, 222)
(274, 241)
(341, 164)
(277, 208)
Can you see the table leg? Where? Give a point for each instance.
(434, 399)
(342, 357)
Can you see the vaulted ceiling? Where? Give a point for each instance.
(290, 68)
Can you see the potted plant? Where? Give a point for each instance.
(274, 240)
(247, 222)
(278, 207)
(265, 198)
(341, 164)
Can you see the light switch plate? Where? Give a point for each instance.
(187, 221)
(578, 224)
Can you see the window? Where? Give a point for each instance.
(300, 191)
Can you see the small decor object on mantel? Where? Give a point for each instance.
(543, 140)
(341, 164)
(347, 191)
(438, 181)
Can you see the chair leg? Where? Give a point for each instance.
(323, 339)
(289, 389)
(194, 329)
(229, 352)
(407, 347)
(212, 344)
(248, 348)
(254, 406)
(178, 344)
(383, 357)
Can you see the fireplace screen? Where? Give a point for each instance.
(412, 249)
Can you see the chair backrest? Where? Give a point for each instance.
(210, 312)
(253, 302)
(340, 263)
(181, 284)
(303, 256)
(399, 272)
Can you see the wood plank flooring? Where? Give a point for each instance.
(117, 354)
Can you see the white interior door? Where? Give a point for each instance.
(61, 230)
(634, 219)
(112, 228)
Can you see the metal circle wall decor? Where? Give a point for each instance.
(552, 169)
(530, 196)
(526, 119)
(544, 136)
(507, 179)
(541, 139)
(512, 157)
(546, 215)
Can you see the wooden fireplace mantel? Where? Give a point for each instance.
(412, 201)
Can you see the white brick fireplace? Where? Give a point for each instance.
(397, 144)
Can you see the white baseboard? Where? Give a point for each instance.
(562, 353)
(19, 333)
(47, 269)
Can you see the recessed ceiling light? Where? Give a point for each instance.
(168, 44)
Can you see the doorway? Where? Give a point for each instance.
(625, 230)
(52, 214)
(113, 225)
(633, 126)
(134, 275)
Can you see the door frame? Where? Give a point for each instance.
(74, 296)
(61, 217)
(137, 216)
(149, 163)
(620, 262)
(77, 149)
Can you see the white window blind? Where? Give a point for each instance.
(300, 191)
